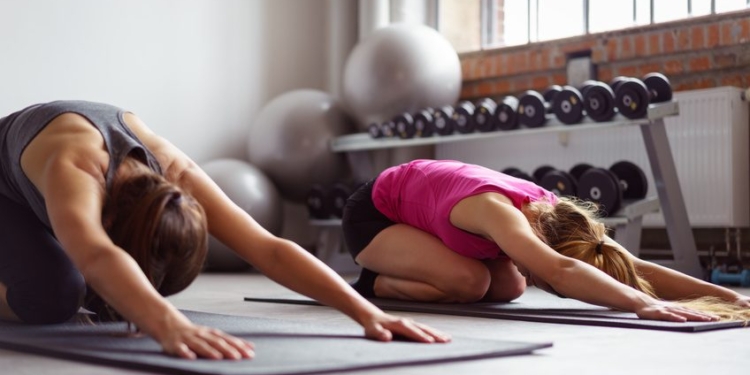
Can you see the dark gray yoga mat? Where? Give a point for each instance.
(533, 306)
(282, 347)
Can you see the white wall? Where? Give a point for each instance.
(197, 71)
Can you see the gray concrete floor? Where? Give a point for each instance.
(577, 349)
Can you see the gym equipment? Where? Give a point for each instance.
(444, 121)
(721, 277)
(598, 101)
(484, 115)
(506, 113)
(540, 172)
(579, 169)
(567, 105)
(464, 117)
(533, 106)
(633, 181)
(533, 306)
(559, 182)
(404, 126)
(290, 141)
(388, 129)
(249, 188)
(285, 347)
(374, 130)
(633, 96)
(317, 202)
(400, 68)
(337, 197)
(601, 186)
(517, 173)
(424, 123)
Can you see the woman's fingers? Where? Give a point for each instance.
(407, 328)
(437, 335)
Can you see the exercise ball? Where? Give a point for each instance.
(400, 68)
(290, 141)
(249, 188)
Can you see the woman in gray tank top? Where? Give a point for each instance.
(90, 197)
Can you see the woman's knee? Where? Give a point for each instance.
(467, 284)
(54, 298)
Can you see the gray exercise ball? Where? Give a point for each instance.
(400, 68)
(290, 141)
(249, 188)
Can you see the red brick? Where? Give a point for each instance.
(534, 57)
(540, 82)
(668, 41)
(611, 49)
(467, 70)
(640, 45)
(725, 60)
(648, 68)
(559, 79)
(654, 44)
(485, 68)
(705, 83)
(581, 46)
(626, 47)
(673, 67)
(627, 70)
(501, 87)
(713, 36)
(744, 30)
(732, 80)
(598, 54)
(467, 91)
(519, 84)
(544, 62)
(699, 64)
(501, 64)
(523, 61)
(604, 74)
(726, 33)
(683, 39)
(697, 37)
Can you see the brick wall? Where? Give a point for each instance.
(695, 53)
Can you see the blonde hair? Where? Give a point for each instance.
(571, 227)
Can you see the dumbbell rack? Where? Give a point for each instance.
(627, 221)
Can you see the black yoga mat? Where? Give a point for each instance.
(533, 306)
(282, 347)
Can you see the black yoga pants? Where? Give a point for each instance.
(43, 286)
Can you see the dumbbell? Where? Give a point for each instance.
(463, 116)
(533, 106)
(598, 101)
(423, 123)
(484, 115)
(540, 172)
(337, 196)
(443, 120)
(720, 277)
(609, 187)
(567, 105)
(317, 202)
(404, 126)
(517, 173)
(632, 96)
(506, 113)
(557, 181)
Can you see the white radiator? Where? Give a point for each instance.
(709, 141)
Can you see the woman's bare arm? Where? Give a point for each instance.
(491, 216)
(281, 260)
(674, 285)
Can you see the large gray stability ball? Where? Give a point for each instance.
(290, 141)
(400, 68)
(250, 189)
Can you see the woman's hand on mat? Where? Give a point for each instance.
(191, 341)
(743, 301)
(664, 310)
(383, 327)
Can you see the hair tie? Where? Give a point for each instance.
(599, 247)
(176, 199)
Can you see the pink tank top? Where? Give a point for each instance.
(422, 194)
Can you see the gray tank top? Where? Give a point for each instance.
(18, 129)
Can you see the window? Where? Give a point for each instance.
(478, 24)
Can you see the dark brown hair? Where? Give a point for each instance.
(160, 226)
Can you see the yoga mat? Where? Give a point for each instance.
(533, 306)
(282, 347)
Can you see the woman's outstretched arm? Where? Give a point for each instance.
(281, 260)
(491, 216)
(674, 285)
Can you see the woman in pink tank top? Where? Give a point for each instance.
(446, 231)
